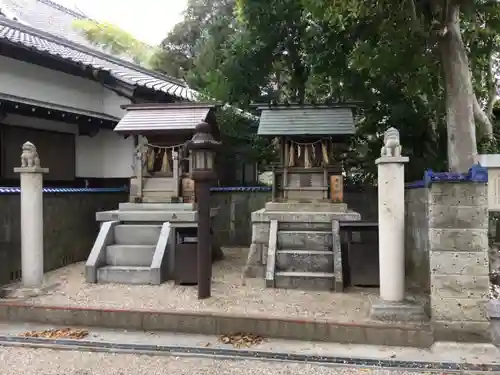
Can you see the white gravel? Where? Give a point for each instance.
(19, 361)
(228, 295)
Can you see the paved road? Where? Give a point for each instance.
(19, 361)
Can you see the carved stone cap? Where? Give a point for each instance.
(392, 160)
(31, 170)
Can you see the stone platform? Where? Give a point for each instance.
(136, 243)
(297, 245)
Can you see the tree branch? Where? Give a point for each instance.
(485, 125)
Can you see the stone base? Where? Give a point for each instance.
(306, 207)
(404, 311)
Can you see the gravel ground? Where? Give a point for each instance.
(228, 295)
(18, 361)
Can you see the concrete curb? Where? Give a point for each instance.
(392, 334)
(157, 350)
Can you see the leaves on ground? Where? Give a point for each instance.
(241, 340)
(64, 333)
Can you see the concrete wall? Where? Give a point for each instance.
(417, 239)
(69, 232)
(233, 224)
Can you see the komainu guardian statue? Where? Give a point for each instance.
(392, 147)
(29, 156)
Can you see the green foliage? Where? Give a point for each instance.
(115, 40)
(239, 133)
(384, 54)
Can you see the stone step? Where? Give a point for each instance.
(304, 260)
(158, 216)
(137, 234)
(302, 226)
(304, 280)
(124, 275)
(129, 255)
(304, 240)
(156, 206)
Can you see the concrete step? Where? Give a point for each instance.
(129, 255)
(304, 280)
(137, 234)
(157, 216)
(124, 275)
(156, 206)
(304, 260)
(304, 240)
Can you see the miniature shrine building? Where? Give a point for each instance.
(310, 141)
(296, 237)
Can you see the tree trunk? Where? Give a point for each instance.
(461, 130)
(485, 125)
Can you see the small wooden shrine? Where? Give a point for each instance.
(310, 141)
(162, 163)
(296, 237)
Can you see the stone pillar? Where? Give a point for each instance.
(458, 256)
(391, 216)
(31, 216)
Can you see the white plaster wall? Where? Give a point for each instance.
(106, 155)
(35, 82)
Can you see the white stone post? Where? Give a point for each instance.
(392, 306)
(391, 218)
(31, 216)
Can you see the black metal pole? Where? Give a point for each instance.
(204, 248)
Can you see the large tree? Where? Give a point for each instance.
(431, 28)
(408, 61)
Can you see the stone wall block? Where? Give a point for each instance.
(458, 194)
(458, 309)
(458, 217)
(452, 239)
(459, 263)
(460, 286)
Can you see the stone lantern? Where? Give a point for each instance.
(203, 148)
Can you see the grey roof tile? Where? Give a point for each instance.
(163, 117)
(306, 120)
(16, 33)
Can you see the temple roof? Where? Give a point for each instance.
(164, 117)
(307, 120)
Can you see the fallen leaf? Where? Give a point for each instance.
(66, 333)
(241, 340)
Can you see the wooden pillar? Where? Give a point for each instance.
(285, 167)
(175, 164)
